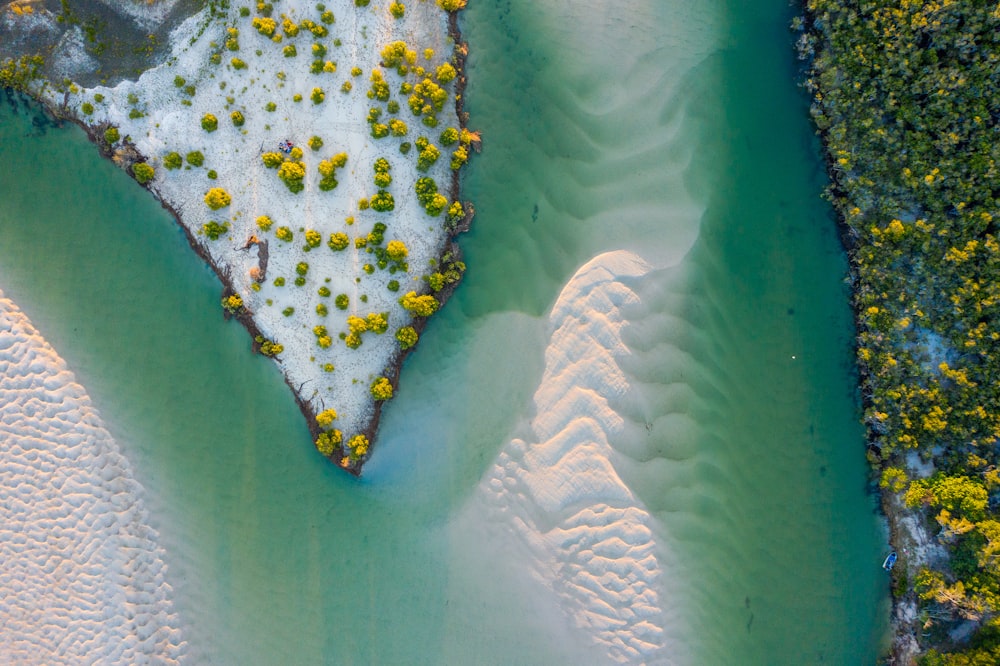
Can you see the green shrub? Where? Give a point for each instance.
(346, 87)
(269, 348)
(217, 198)
(382, 202)
(358, 445)
(317, 95)
(292, 174)
(179, 81)
(237, 118)
(173, 161)
(237, 63)
(195, 158)
(111, 135)
(459, 157)
(437, 204)
(279, 282)
(393, 285)
(428, 156)
(272, 160)
(338, 241)
(143, 173)
(288, 312)
(315, 142)
(445, 73)
(290, 28)
(326, 418)
(313, 238)
(270, 107)
(232, 304)
(213, 229)
(290, 51)
(407, 337)
(209, 123)
(396, 250)
(300, 281)
(302, 268)
(323, 291)
(397, 9)
(321, 309)
(87, 108)
(420, 306)
(435, 281)
(451, 5)
(398, 128)
(265, 26)
(381, 389)
(449, 136)
(327, 17)
(284, 234)
(328, 442)
(211, 175)
(342, 301)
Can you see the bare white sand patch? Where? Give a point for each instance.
(272, 86)
(557, 489)
(83, 578)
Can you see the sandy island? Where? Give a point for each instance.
(311, 153)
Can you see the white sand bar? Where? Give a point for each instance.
(83, 578)
(220, 64)
(558, 490)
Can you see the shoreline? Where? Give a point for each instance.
(916, 218)
(125, 154)
(903, 636)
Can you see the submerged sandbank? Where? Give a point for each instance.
(84, 578)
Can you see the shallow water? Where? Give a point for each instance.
(672, 131)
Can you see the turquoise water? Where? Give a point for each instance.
(671, 131)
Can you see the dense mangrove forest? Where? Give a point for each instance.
(906, 95)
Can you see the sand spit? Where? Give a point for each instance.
(559, 491)
(309, 77)
(83, 578)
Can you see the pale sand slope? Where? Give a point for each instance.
(559, 492)
(82, 580)
(234, 153)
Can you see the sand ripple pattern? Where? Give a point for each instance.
(592, 538)
(82, 580)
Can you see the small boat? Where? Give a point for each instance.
(890, 561)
